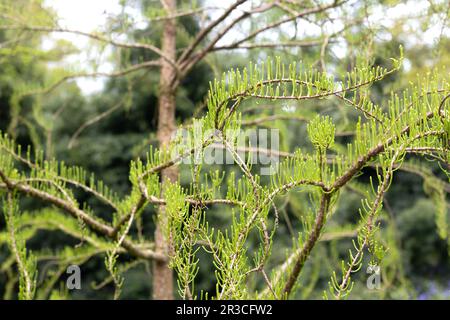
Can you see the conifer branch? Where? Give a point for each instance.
(95, 224)
(26, 279)
(309, 244)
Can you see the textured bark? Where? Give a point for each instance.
(162, 274)
(309, 244)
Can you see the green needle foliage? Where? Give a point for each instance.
(414, 121)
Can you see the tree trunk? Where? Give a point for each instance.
(162, 274)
